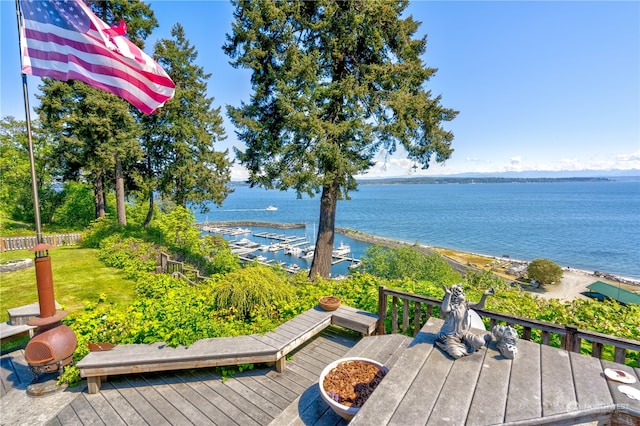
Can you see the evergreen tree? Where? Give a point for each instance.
(181, 162)
(16, 193)
(95, 131)
(333, 84)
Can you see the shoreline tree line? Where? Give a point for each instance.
(333, 84)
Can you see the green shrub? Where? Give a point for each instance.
(220, 258)
(544, 271)
(408, 262)
(77, 207)
(99, 229)
(252, 291)
(179, 232)
(133, 255)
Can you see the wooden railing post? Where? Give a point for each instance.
(619, 355)
(382, 309)
(571, 340)
(394, 314)
(417, 315)
(405, 315)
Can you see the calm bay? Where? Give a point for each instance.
(593, 226)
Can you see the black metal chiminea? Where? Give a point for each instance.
(53, 345)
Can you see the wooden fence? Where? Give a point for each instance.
(25, 243)
(416, 309)
(177, 269)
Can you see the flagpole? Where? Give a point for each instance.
(25, 93)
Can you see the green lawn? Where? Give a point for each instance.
(78, 277)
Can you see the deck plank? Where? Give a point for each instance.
(212, 391)
(490, 397)
(120, 404)
(457, 392)
(184, 381)
(592, 391)
(264, 404)
(86, 412)
(525, 392)
(558, 392)
(68, 417)
(153, 395)
(271, 395)
(145, 409)
(169, 387)
(393, 388)
(260, 379)
(620, 399)
(103, 409)
(417, 406)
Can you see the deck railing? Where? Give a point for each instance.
(174, 267)
(415, 309)
(25, 243)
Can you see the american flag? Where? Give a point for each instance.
(65, 40)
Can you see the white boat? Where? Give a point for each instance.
(244, 242)
(342, 250)
(308, 255)
(293, 251)
(271, 208)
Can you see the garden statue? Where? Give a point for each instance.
(506, 339)
(455, 336)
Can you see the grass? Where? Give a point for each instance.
(78, 277)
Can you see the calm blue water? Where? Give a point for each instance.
(586, 225)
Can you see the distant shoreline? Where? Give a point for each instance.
(390, 242)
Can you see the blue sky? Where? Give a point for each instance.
(539, 85)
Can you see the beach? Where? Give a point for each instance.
(573, 284)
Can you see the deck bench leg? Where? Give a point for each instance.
(93, 384)
(280, 364)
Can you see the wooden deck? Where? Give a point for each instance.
(543, 385)
(198, 397)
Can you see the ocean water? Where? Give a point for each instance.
(586, 225)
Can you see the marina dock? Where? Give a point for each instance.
(277, 243)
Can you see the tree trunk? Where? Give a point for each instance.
(120, 205)
(98, 196)
(147, 220)
(321, 264)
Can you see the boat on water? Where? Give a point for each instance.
(246, 242)
(342, 250)
(293, 251)
(271, 208)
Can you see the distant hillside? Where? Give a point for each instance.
(514, 177)
(473, 180)
(632, 175)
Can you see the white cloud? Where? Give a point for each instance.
(400, 166)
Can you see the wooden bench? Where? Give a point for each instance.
(18, 321)
(9, 330)
(271, 347)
